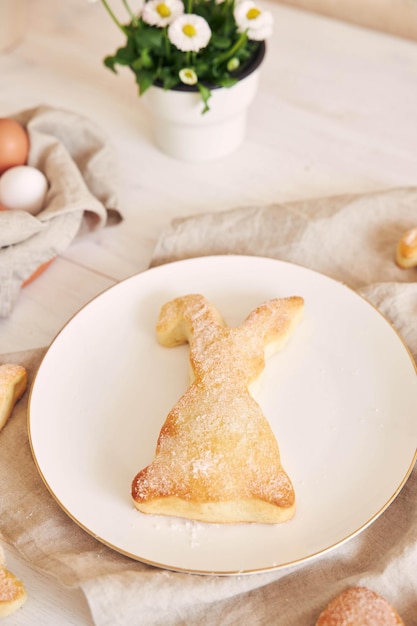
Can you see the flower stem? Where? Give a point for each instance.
(129, 10)
(113, 17)
(167, 44)
(230, 53)
(189, 8)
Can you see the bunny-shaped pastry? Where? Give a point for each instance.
(217, 459)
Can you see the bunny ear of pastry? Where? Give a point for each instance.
(217, 459)
(13, 383)
(185, 319)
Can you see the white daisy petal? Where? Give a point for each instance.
(189, 32)
(249, 17)
(161, 12)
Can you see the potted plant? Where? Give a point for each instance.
(191, 58)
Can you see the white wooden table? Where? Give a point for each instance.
(336, 113)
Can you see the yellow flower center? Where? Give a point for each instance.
(253, 13)
(189, 30)
(163, 10)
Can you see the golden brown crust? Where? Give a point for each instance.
(406, 253)
(359, 606)
(217, 459)
(13, 383)
(12, 591)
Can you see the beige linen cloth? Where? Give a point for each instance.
(80, 166)
(351, 238)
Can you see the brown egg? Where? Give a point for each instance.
(14, 144)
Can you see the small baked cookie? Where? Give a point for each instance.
(217, 458)
(13, 383)
(359, 606)
(12, 591)
(406, 254)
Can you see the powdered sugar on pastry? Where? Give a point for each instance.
(12, 591)
(217, 459)
(13, 383)
(359, 606)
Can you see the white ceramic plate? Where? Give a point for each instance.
(341, 398)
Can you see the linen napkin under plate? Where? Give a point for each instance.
(351, 238)
(79, 164)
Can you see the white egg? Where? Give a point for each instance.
(23, 188)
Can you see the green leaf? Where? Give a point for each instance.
(201, 68)
(145, 79)
(169, 77)
(221, 42)
(205, 95)
(110, 62)
(170, 81)
(149, 38)
(144, 61)
(122, 56)
(226, 81)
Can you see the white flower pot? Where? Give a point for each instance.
(183, 132)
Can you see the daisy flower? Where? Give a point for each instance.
(161, 12)
(189, 32)
(249, 17)
(188, 76)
